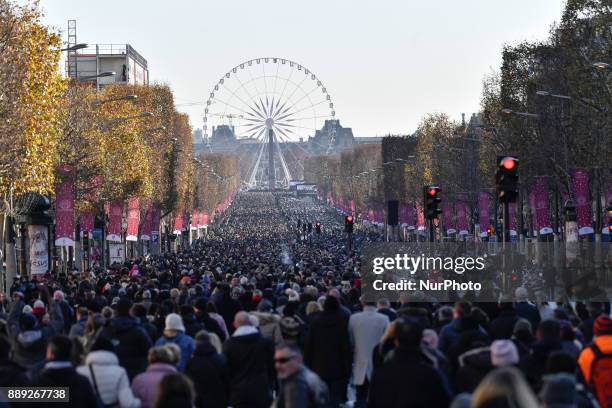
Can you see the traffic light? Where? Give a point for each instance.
(490, 231)
(506, 178)
(85, 241)
(348, 224)
(309, 227)
(318, 227)
(431, 196)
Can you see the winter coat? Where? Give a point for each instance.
(303, 389)
(192, 325)
(474, 365)
(210, 374)
(219, 319)
(81, 393)
(146, 385)
(269, 326)
(449, 334)
(30, 348)
(406, 381)
(13, 375)
(365, 331)
(252, 373)
(528, 311)
(534, 365)
(111, 379)
(78, 329)
(213, 325)
(227, 308)
(327, 349)
(185, 343)
(131, 342)
(502, 326)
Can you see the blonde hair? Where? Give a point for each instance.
(505, 383)
(175, 350)
(312, 307)
(160, 354)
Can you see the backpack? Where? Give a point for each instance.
(601, 376)
(291, 327)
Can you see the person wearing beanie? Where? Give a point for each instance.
(504, 353)
(589, 361)
(174, 332)
(522, 336)
(268, 322)
(211, 324)
(107, 378)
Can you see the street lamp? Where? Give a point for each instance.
(100, 75)
(552, 95)
(141, 115)
(120, 98)
(511, 112)
(75, 47)
(601, 66)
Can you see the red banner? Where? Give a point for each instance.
(133, 219)
(463, 214)
(115, 215)
(64, 209)
(179, 222)
(483, 212)
(542, 205)
(195, 218)
(447, 213)
(420, 218)
(155, 218)
(87, 221)
(147, 226)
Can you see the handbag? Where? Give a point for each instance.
(101, 403)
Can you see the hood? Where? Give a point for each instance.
(162, 367)
(479, 358)
(266, 318)
(101, 357)
(123, 323)
(28, 338)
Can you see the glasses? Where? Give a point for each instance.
(283, 360)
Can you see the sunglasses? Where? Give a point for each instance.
(283, 360)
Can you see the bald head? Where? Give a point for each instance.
(242, 319)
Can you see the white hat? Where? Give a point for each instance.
(503, 353)
(39, 303)
(174, 322)
(27, 309)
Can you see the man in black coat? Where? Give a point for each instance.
(502, 326)
(250, 359)
(327, 350)
(203, 317)
(130, 339)
(406, 380)
(59, 372)
(11, 373)
(226, 305)
(210, 374)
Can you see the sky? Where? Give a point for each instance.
(385, 63)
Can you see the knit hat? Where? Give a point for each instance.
(174, 322)
(38, 308)
(559, 391)
(603, 325)
(174, 293)
(522, 325)
(27, 309)
(146, 294)
(27, 321)
(503, 353)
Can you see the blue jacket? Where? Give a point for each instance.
(185, 343)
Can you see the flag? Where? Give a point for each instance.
(580, 189)
(463, 214)
(64, 209)
(483, 212)
(115, 216)
(542, 205)
(133, 219)
(147, 226)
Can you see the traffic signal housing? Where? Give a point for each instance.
(431, 197)
(348, 224)
(506, 178)
(318, 227)
(85, 243)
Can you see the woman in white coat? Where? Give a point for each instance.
(111, 385)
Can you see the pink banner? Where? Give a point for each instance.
(87, 221)
(512, 225)
(147, 226)
(542, 205)
(64, 209)
(155, 218)
(406, 214)
(483, 212)
(420, 217)
(204, 219)
(447, 213)
(133, 219)
(463, 214)
(580, 189)
(195, 217)
(115, 216)
(179, 223)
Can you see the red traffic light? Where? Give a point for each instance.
(349, 218)
(318, 224)
(433, 191)
(508, 163)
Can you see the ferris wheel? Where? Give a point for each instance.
(268, 104)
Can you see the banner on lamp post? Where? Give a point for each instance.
(542, 205)
(64, 209)
(147, 226)
(483, 213)
(115, 216)
(580, 187)
(133, 219)
(462, 210)
(38, 236)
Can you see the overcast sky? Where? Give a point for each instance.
(385, 63)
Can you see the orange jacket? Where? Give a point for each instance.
(585, 360)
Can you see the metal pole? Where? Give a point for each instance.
(271, 175)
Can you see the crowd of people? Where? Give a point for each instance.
(265, 311)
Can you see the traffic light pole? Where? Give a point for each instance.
(432, 231)
(349, 244)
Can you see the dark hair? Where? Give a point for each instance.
(103, 343)
(175, 391)
(550, 329)
(139, 310)
(291, 346)
(408, 332)
(186, 310)
(82, 311)
(463, 308)
(560, 362)
(123, 306)
(211, 307)
(61, 348)
(331, 304)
